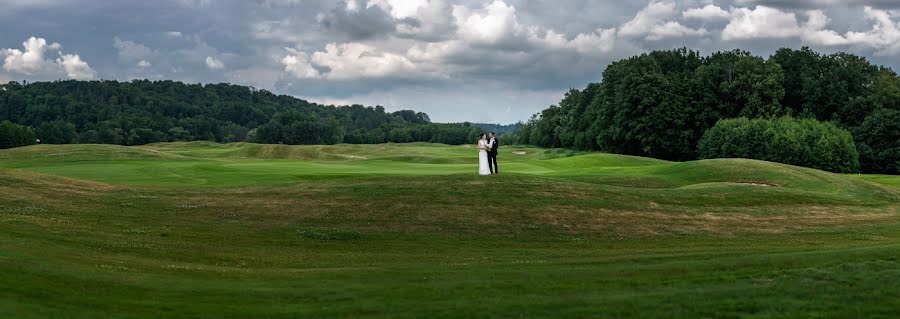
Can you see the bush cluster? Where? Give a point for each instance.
(802, 142)
(13, 135)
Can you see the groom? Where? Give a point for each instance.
(494, 145)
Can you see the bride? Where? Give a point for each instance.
(483, 168)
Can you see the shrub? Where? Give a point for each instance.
(14, 135)
(878, 139)
(802, 142)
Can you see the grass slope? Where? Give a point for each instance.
(407, 230)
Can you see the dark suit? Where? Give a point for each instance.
(492, 156)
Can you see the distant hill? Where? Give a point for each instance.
(142, 112)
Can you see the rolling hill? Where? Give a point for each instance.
(242, 230)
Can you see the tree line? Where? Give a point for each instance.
(142, 111)
(661, 104)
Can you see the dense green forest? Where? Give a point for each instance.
(141, 112)
(661, 103)
(499, 129)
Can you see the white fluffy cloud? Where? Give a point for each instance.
(497, 25)
(32, 61)
(601, 40)
(214, 64)
(297, 64)
(767, 22)
(814, 30)
(349, 61)
(76, 68)
(673, 29)
(884, 35)
(357, 60)
(651, 22)
(400, 8)
(494, 23)
(709, 12)
(762, 22)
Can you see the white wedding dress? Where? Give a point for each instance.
(483, 168)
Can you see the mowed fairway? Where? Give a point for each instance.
(202, 230)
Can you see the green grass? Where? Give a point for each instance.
(203, 230)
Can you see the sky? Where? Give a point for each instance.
(497, 61)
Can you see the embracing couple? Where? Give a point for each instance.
(487, 154)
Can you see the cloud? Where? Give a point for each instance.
(710, 12)
(762, 22)
(647, 18)
(488, 40)
(673, 29)
(766, 22)
(491, 25)
(197, 52)
(651, 23)
(76, 68)
(297, 64)
(426, 20)
(400, 8)
(810, 4)
(356, 20)
(284, 31)
(357, 60)
(348, 49)
(32, 61)
(214, 64)
(601, 40)
(130, 50)
(884, 35)
(814, 30)
(432, 20)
